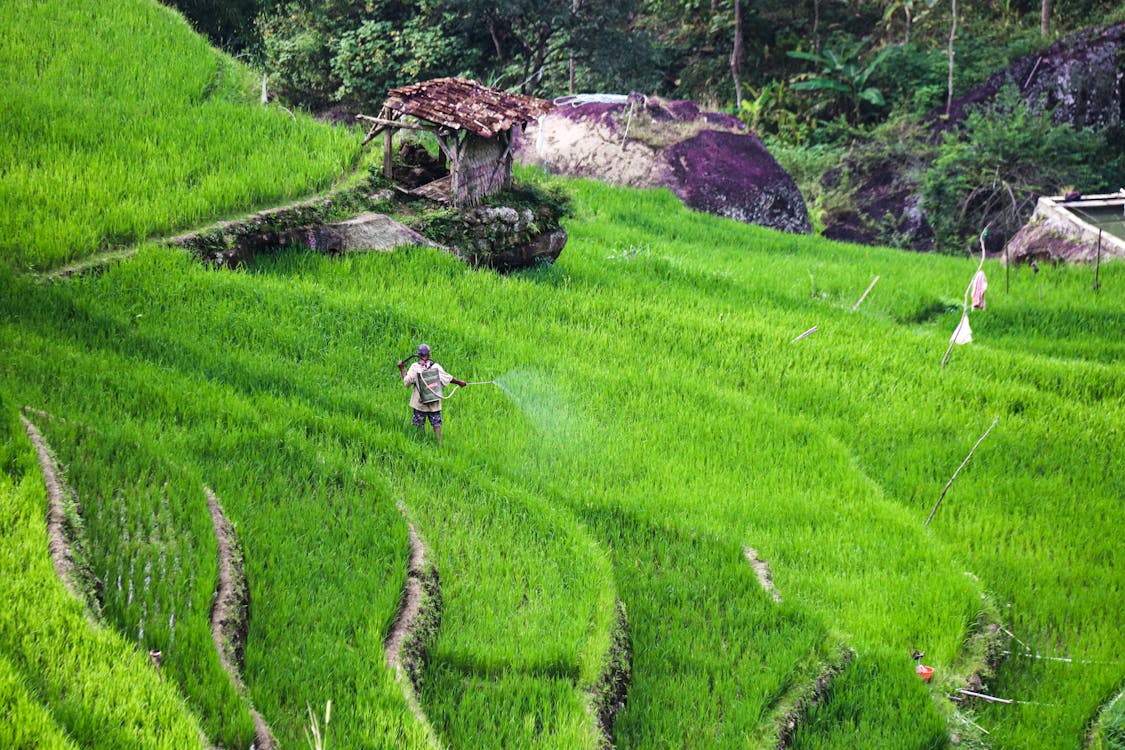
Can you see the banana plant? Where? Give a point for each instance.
(842, 80)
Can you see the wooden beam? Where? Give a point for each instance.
(385, 123)
(450, 152)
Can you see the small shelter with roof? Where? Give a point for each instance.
(473, 126)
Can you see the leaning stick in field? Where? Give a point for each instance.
(861, 299)
(806, 333)
(984, 697)
(962, 466)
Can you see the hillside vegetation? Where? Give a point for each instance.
(120, 123)
(646, 413)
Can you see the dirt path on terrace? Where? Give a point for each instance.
(230, 612)
(762, 570)
(57, 543)
(107, 256)
(415, 625)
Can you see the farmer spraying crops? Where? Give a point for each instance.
(426, 378)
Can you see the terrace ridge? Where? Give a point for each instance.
(811, 696)
(415, 625)
(230, 612)
(609, 695)
(71, 570)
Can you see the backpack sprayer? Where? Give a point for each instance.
(429, 384)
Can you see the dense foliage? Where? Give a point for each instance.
(351, 51)
(990, 172)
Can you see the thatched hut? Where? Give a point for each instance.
(473, 126)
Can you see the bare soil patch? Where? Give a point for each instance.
(57, 543)
(65, 542)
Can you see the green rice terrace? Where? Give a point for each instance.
(662, 517)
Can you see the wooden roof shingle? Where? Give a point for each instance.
(463, 104)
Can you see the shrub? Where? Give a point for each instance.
(990, 172)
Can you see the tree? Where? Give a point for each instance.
(907, 8)
(736, 55)
(952, 36)
(541, 46)
(324, 52)
(227, 23)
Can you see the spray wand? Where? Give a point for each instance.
(455, 387)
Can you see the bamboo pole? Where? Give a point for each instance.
(982, 696)
(962, 466)
(1098, 267)
(388, 153)
(806, 333)
(965, 302)
(861, 299)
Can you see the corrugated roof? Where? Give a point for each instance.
(463, 104)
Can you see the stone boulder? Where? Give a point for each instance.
(362, 233)
(1080, 80)
(505, 238)
(709, 160)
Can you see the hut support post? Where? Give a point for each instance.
(388, 153)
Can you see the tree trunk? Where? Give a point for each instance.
(574, 12)
(1045, 18)
(736, 55)
(952, 36)
(816, 25)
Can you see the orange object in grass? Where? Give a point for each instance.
(925, 672)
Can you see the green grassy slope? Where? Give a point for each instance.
(654, 420)
(119, 123)
(652, 417)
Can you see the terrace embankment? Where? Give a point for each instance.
(762, 570)
(63, 523)
(608, 697)
(234, 243)
(230, 613)
(416, 625)
(810, 696)
(793, 709)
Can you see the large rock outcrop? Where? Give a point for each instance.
(1080, 80)
(709, 160)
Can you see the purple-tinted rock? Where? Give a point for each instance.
(733, 175)
(708, 159)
